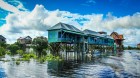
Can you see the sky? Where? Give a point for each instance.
(20, 18)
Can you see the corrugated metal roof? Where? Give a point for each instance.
(64, 26)
(108, 36)
(27, 37)
(90, 32)
(2, 37)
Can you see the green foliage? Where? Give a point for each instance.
(40, 43)
(20, 52)
(3, 44)
(2, 51)
(44, 52)
(55, 48)
(8, 52)
(42, 59)
(131, 48)
(33, 56)
(13, 48)
(49, 57)
(21, 46)
(27, 57)
(17, 62)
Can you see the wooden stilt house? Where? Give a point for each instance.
(118, 39)
(64, 33)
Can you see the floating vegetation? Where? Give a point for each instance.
(17, 62)
(13, 59)
(8, 52)
(49, 57)
(6, 60)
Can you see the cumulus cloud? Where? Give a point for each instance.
(36, 22)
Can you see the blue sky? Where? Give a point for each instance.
(123, 16)
(118, 8)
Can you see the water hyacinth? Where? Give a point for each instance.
(49, 57)
(17, 62)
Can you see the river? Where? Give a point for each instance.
(126, 65)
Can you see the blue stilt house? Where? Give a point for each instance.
(65, 33)
(62, 32)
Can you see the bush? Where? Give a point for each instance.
(20, 52)
(17, 62)
(8, 52)
(13, 48)
(32, 55)
(2, 51)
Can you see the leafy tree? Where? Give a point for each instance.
(13, 48)
(21, 46)
(3, 44)
(40, 43)
(2, 51)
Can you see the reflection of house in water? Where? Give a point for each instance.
(118, 39)
(138, 45)
(2, 39)
(25, 40)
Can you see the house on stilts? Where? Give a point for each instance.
(118, 39)
(82, 41)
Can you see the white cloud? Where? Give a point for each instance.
(89, 3)
(33, 23)
(4, 5)
(37, 21)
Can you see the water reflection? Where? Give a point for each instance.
(123, 66)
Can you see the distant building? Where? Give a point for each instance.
(138, 45)
(118, 38)
(2, 39)
(25, 40)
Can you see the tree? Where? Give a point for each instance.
(3, 44)
(13, 48)
(129, 47)
(2, 51)
(40, 43)
(21, 46)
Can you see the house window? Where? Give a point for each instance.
(59, 34)
(2, 40)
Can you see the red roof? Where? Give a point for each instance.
(120, 36)
(117, 36)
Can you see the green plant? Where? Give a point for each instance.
(20, 52)
(33, 56)
(2, 51)
(40, 43)
(8, 52)
(13, 48)
(17, 62)
(42, 59)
